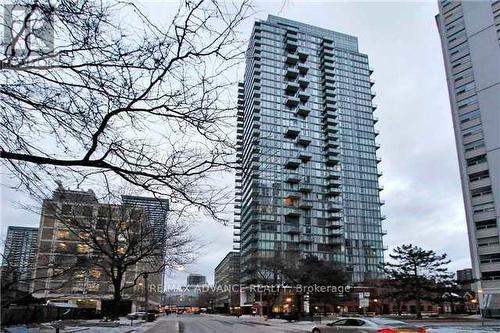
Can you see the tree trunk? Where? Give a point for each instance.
(117, 295)
(418, 304)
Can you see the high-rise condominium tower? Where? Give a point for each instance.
(19, 254)
(470, 36)
(308, 178)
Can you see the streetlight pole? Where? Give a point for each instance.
(146, 294)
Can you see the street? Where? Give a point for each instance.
(223, 324)
(247, 324)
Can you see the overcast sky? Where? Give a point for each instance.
(423, 197)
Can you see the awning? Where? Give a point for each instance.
(63, 305)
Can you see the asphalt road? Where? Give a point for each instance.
(209, 324)
(221, 324)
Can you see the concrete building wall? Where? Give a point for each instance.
(471, 47)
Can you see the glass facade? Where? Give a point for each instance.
(307, 182)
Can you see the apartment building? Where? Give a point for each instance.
(470, 38)
(227, 280)
(308, 179)
(19, 255)
(72, 269)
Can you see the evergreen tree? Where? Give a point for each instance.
(419, 273)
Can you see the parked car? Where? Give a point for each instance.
(136, 315)
(367, 325)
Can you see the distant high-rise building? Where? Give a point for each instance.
(156, 211)
(196, 280)
(464, 275)
(308, 182)
(19, 255)
(470, 38)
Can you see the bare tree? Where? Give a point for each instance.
(120, 244)
(17, 284)
(108, 99)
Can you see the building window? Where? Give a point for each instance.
(93, 286)
(63, 234)
(61, 247)
(95, 273)
(82, 248)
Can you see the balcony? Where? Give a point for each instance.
(327, 44)
(292, 211)
(292, 87)
(291, 44)
(335, 240)
(306, 239)
(292, 177)
(333, 191)
(292, 59)
(292, 101)
(292, 72)
(480, 183)
(329, 106)
(330, 128)
(335, 232)
(302, 110)
(303, 68)
(292, 132)
(328, 78)
(327, 57)
(332, 136)
(335, 224)
(328, 71)
(303, 55)
(236, 233)
(334, 182)
(330, 114)
(303, 140)
(305, 187)
(306, 204)
(477, 168)
(291, 34)
(303, 82)
(332, 152)
(333, 175)
(292, 163)
(329, 92)
(334, 206)
(335, 216)
(292, 195)
(294, 230)
(327, 66)
(484, 216)
(329, 121)
(304, 155)
(303, 96)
